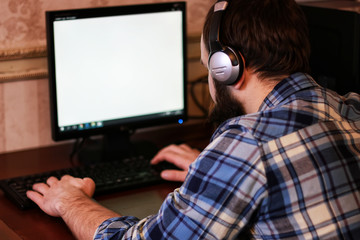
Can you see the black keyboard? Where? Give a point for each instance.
(108, 176)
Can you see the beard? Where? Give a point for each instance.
(225, 106)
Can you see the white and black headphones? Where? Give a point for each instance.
(225, 64)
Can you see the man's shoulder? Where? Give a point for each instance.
(273, 123)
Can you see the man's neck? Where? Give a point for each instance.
(253, 92)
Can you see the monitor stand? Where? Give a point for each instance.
(114, 146)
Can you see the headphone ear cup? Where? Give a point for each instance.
(226, 66)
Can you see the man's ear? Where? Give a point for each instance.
(244, 75)
(241, 81)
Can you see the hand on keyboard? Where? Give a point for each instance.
(54, 194)
(108, 176)
(179, 155)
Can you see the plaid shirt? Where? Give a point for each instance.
(291, 170)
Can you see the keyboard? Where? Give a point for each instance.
(109, 177)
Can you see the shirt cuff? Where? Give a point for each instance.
(114, 226)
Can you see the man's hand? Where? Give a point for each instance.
(55, 196)
(70, 198)
(181, 156)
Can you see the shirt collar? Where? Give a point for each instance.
(287, 87)
(279, 95)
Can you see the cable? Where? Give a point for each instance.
(76, 148)
(202, 80)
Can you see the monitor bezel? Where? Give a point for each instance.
(129, 124)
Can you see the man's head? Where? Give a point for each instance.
(225, 106)
(272, 38)
(271, 35)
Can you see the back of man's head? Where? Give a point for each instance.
(271, 35)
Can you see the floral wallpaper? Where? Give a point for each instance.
(22, 22)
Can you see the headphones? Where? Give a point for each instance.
(225, 64)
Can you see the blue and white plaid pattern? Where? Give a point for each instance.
(291, 170)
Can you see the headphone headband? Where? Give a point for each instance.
(214, 37)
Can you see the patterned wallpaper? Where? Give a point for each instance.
(24, 105)
(22, 22)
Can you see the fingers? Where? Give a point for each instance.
(35, 197)
(51, 181)
(53, 195)
(67, 178)
(174, 175)
(89, 186)
(41, 188)
(175, 154)
(37, 194)
(86, 184)
(185, 147)
(171, 157)
(176, 148)
(159, 156)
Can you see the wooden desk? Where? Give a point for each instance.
(34, 224)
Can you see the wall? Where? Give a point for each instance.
(24, 101)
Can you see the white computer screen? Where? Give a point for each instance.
(118, 67)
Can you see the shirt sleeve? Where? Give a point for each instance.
(114, 228)
(224, 187)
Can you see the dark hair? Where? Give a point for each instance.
(272, 35)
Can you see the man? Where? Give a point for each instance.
(283, 163)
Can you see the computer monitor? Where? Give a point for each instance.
(116, 69)
(335, 47)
